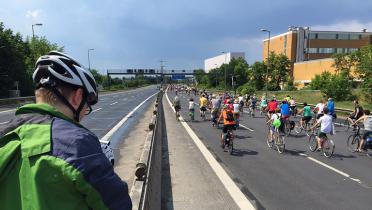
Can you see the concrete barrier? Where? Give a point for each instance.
(146, 190)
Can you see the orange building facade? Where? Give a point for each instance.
(311, 51)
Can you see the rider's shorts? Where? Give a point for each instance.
(307, 118)
(225, 128)
(321, 134)
(319, 116)
(203, 108)
(177, 107)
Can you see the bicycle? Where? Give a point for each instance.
(202, 112)
(276, 139)
(287, 126)
(328, 146)
(177, 113)
(307, 127)
(229, 140)
(192, 114)
(347, 124)
(353, 141)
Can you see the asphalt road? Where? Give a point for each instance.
(110, 109)
(297, 179)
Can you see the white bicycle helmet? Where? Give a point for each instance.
(58, 67)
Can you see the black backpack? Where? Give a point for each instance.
(229, 116)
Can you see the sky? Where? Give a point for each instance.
(138, 33)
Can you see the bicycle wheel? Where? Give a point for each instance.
(353, 143)
(298, 128)
(328, 148)
(231, 147)
(269, 141)
(287, 128)
(369, 151)
(312, 143)
(280, 144)
(347, 124)
(308, 129)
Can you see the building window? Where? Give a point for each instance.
(352, 50)
(340, 50)
(313, 35)
(355, 36)
(326, 36)
(313, 50)
(343, 36)
(326, 50)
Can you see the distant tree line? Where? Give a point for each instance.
(17, 60)
(249, 78)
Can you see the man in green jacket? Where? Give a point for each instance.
(47, 159)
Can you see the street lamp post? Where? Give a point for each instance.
(36, 24)
(89, 57)
(268, 55)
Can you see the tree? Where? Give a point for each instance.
(337, 86)
(97, 76)
(279, 69)
(257, 75)
(364, 70)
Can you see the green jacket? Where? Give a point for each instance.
(48, 161)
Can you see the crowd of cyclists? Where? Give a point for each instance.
(226, 109)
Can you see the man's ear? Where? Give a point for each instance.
(76, 97)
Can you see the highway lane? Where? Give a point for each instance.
(110, 109)
(292, 180)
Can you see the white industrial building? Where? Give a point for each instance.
(217, 61)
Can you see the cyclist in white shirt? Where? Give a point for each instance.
(325, 123)
(319, 108)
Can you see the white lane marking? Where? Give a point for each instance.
(331, 168)
(4, 123)
(226, 180)
(96, 110)
(108, 135)
(114, 103)
(10, 110)
(245, 127)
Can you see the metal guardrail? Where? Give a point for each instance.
(146, 190)
(7, 101)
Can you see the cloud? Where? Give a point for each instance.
(33, 14)
(349, 25)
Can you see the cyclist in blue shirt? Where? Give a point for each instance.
(284, 110)
(331, 106)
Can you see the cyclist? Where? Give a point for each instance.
(319, 109)
(367, 121)
(325, 123)
(358, 112)
(216, 104)
(203, 101)
(274, 122)
(241, 103)
(253, 103)
(263, 103)
(236, 111)
(177, 104)
(307, 114)
(271, 106)
(51, 161)
(284, 110)
(192, 108)
(288, 98)
(228, 123)
(331, 107)
(292, 106)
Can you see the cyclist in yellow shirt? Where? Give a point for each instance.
(203, 105)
